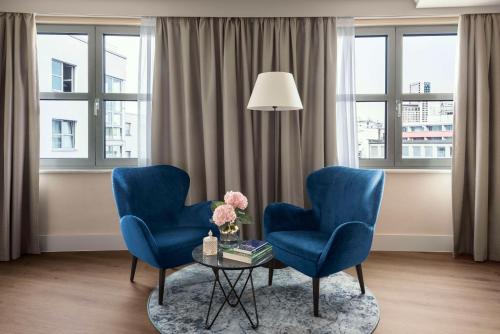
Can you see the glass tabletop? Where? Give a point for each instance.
(218, 262)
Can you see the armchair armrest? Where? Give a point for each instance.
(139, 240)
(348, 246)
(287, 217)
(198, 215)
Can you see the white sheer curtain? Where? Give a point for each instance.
(146, 67)
(347, 141)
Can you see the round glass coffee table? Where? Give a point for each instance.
(218, 264)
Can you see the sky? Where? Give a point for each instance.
(425, 58)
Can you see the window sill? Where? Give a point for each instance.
(104, 170)
(417, 171)
(75, 171)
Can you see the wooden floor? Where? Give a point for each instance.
(90, 293)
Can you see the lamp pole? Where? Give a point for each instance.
(275, 91)
(277, 151)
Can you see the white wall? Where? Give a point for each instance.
(248, 8)
(77, 212)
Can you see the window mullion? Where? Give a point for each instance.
(98, 89)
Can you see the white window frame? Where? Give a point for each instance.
(95, 97)
(61, 134)
(394, 95)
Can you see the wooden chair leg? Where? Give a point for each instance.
(359, 271)
(316, 296)
(132, 269)
(161, 286)
(271, 272)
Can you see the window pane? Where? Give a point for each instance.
(121, 63)
(370, 64)
(57, 84)
(63, 129)
(56, 126)
(56, 67)
(56, 142)
(117, 145)
(72, 52)
(371, 129)
(68, 72)
(429, 63)
(66, 127)
(67, 142)
(427, 125)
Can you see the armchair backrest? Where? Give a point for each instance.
(341, 194)
(155, 194)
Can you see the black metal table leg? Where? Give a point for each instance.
(228, 295)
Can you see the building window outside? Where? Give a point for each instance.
(404, 93)
(63, 134)
(441, 152)
(62, 76)
(114, 151)
(416, 151)
(128, 129)
(113, 85)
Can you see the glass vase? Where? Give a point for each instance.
(229, 236)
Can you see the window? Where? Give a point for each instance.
(404, 93)
(128, 130)
(88, 95)
(62, 76)
(428, 151)
(114, 151)
(63, 134)
(113, 85)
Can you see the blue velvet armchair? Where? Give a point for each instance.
(336, 233)
(155, 223)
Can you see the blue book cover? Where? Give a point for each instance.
(250, 246)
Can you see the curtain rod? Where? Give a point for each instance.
(359, 21)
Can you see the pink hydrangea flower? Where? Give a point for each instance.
(236, 199)
(224, 214)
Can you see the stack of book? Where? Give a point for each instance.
(248, 251)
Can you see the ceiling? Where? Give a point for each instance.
(455, 3)
(244, 8)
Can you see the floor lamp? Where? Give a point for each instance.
(274, 92)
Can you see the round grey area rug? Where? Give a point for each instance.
(284, 307)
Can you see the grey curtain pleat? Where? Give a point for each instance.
(19, 136)
(476, 156)
(204, 73)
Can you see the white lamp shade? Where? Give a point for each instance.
(275, 91)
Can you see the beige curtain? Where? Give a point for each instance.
(204, 73)
(18, 136)
(476, 158)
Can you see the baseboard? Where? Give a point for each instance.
(81, 242)
(413, 243)
(382, 242)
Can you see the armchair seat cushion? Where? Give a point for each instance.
(176, 244)
(306, 244)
